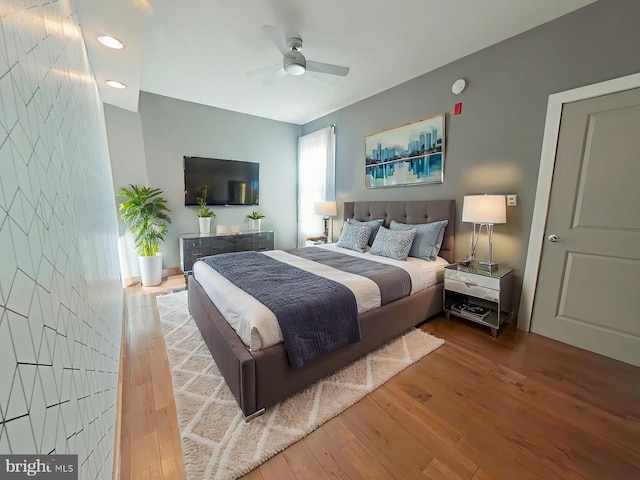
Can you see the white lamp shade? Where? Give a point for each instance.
(484, 209)
(326, 209)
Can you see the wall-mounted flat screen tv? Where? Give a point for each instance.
(221, 182)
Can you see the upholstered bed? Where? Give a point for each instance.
(260, 378)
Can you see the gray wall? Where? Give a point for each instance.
(126, 150)
(494, 146)
(60, 297)
(170, 129)
(126, 147)
(173, 128)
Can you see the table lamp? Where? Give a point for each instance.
(484, 210)
(327, 210)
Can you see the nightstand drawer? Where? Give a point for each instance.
(473, 290)
(471, 279)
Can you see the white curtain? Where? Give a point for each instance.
(316, 179)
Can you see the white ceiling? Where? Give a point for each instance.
(201, 50)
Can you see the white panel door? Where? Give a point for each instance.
(589, 277)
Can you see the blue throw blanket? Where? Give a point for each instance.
(316, 315)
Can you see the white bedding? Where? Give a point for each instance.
(258, 327)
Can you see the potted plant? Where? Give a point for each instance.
(254, 218)
(205, 214)
(146, 216)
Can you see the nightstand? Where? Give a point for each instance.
(311, 241)
(466, 285)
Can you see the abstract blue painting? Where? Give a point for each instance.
(410, 154)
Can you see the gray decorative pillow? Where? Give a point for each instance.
(374, 224)
(354, 237)
(428, 239)
(393, 243)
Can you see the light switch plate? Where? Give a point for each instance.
(512, 200)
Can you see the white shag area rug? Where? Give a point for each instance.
(216, 441)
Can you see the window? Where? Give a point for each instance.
(316, 179)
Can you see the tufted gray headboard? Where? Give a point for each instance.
(411, 212)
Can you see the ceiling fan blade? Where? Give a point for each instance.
(264, 70)
(275, 35)
(328, 79)
(275, 76)
(272, 73)
(327, 68)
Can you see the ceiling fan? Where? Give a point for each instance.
(293, 61)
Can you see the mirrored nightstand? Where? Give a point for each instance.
(478, 295)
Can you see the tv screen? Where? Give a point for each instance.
(220, 182)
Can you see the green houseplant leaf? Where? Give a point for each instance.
(204, 211)
(146, 216)
(255, 215)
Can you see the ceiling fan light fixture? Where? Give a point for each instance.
(294, 68)
(294, 63)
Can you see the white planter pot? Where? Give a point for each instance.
(254, 224)
(205, 224)
(150, 270)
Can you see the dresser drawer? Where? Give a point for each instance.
(242, 243)
(194, 253)
(472, 280)
(221, 245)
(196, 242)
(194, 246)
(263, 241)
(473, 290)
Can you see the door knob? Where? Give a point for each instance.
(553, 238)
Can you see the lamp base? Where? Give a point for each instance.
(487, 266)
(325, 226)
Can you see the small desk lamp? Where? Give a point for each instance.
(327, 210)
(484, 210)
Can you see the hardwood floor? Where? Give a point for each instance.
(149, 438)
(517, 407)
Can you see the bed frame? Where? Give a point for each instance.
(263, 378)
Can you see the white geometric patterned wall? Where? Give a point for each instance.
(60, 293)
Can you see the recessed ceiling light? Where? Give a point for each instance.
(111, 42)
(115, 84)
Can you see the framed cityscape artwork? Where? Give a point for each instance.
(410, 154)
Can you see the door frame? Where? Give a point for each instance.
(545, 178)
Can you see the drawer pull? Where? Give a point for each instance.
(470, 284)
